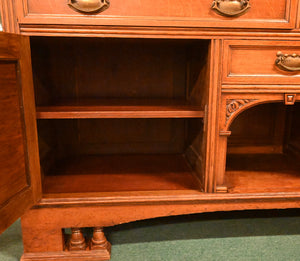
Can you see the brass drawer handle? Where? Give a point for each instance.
(288, 62)
(230, 7)
(89, 6)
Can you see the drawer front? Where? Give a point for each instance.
(261, 62)
(188, 13)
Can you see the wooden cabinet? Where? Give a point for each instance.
(113, 112)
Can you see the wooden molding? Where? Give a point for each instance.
(9, 22)
(96, 255)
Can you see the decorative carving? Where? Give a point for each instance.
(77, 240)
(231, 7)
(288, 62)
(99, 241)
(232, 106)
(89, 6)
(290, 99)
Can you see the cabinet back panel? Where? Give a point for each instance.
(259, 129)
(74, 68)
(63, 138)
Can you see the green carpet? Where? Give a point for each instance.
(249, 235)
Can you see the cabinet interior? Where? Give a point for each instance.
(264, 150)
(120, 114)
(118, 154)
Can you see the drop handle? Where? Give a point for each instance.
(288, 62)
(231, 8)
(89, 6)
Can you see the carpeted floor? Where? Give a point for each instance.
(249, 235)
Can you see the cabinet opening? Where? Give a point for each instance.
(76, 77)
(111, 155)
(119, 115)
(264, 150)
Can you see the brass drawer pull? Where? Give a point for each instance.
(288, 62)
(230, 7)
(89, 6)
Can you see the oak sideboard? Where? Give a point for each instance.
(115, 111)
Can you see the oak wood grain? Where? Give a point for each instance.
(182, 90)
(253, 62)
(267, 13)
(262, 173)
(44, 234)
(19, 180)
(130, 173)
(108, 108)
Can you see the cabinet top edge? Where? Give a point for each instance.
(155, 32)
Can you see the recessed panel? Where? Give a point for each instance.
(262, 14)
(12, 155)
(256, 62)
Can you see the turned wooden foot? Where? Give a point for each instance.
(77, 240)
(99, 241)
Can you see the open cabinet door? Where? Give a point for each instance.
(20, 182)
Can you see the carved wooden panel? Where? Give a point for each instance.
(233, 105)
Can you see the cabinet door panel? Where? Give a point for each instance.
(19, 173)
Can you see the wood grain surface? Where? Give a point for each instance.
(19, 180)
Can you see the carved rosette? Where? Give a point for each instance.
(233, 105)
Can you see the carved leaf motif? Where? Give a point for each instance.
(233, 106)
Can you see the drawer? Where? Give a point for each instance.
(261, 62)
(189, 13)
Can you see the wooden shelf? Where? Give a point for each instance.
(262, 173)
(117, 173)
(113, 108)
